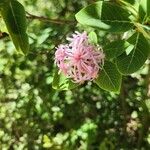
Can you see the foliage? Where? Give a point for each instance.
(119, 17)
(14, 16)
(33, 115)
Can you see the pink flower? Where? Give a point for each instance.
(79, 60)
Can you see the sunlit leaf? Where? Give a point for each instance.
(92, 37)
(144, 9)
(14, 16)
(105, 15)
(61, 82)
(109, 78)
(115, 48)
(129, 63)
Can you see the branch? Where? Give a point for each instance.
(55, 21)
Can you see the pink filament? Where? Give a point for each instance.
(79, 60)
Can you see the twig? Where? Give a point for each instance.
(124, 107)
(48, 51)
(46, 19)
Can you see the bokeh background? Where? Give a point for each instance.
(34, 116)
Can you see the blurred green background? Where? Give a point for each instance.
(34, 116)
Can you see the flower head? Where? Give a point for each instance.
(79, 60)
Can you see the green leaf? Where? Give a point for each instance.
(92, 37)
(14, 17)
(105, 15)
(115, 48)
(130, 63)
(131, 1)
(144, 9)
(61, 82)
(109, 78)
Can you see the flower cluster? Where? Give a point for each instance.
(79, 60)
